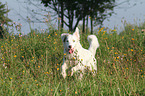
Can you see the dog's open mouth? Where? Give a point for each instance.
(70, 50)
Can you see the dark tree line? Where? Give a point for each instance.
(77, 10)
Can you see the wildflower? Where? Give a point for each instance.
(118, 57)
(15, 56)
(11, 78)
(108, 48)
(121, 58)
(64, 53)
(38, 66)
(125, 54)
(22, 56)
(51, 89)
(57, 68)
(127, 68)
(37, 84)
(114, 30)
(46, 73)
(20, 35)
(132, 38)
(105, 38)
(116, 53)
(104, 31)
(76, 92)
(132, 29)
(131, 49)
(33, 57)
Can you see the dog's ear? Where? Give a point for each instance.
(76, 33)
(64, 36)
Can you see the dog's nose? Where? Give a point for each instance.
(69, 46)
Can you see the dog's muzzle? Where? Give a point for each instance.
(70, 49)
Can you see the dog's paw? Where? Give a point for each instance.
(64, 75)
(72, 71)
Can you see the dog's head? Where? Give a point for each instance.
(70, 41)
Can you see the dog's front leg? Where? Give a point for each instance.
(64, 67)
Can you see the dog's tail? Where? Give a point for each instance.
(94, 44)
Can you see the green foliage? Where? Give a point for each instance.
(3, 19)
(3, 12)
(31, 65)
(78, 10)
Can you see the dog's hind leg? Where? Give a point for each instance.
(77, 68)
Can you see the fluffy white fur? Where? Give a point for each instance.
(76, 58)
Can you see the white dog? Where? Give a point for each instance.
(76, 58)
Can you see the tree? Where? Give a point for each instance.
(77, 10)
(3, 19)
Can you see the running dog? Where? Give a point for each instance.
(76, 58)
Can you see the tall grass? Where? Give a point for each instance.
(31, 65)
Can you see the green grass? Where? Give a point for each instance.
(31, 65)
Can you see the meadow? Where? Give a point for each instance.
(30, 65)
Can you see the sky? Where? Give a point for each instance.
(132, 12)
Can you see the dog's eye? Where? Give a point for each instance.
(73, 40)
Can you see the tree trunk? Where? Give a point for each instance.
(83, 25)
(91, 26)
(87, 25)
(70, 20)
(62, 15)
(78, 20)
(58, 19)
